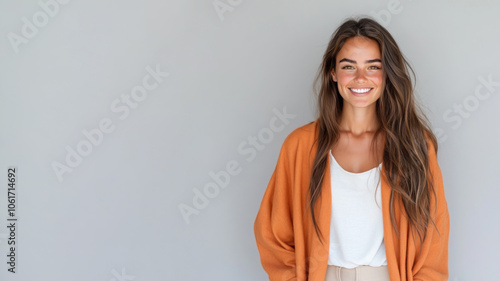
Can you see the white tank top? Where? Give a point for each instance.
(356, 229)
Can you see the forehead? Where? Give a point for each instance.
(359, 49)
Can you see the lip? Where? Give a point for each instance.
(360, 94)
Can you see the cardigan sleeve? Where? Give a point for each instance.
(434, 256)
(273, 225)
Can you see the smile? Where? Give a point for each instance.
(360, 90)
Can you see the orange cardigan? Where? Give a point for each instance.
(289, 247)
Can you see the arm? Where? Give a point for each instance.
(273, 225)
(434, 258)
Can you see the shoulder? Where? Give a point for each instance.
(298, 149)
(303, 136)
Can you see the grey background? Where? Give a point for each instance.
(117, 213)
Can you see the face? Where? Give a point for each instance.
(358, 73)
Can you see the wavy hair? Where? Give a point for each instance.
(404, 127)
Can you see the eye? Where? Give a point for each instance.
(375, 67)
(347, 67)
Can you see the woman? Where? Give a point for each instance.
(358, 193)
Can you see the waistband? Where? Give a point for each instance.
(360, 273)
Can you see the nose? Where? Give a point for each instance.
(360, 76)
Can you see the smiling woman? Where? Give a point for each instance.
(357, 194)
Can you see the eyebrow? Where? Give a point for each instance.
(353, 61)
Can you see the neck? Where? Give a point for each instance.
(359, 120)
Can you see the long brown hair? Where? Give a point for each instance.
(404, 127)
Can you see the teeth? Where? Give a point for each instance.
(359, 91)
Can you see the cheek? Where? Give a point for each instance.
(345, 78)
(377, 78)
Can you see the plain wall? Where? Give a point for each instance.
(115, 212)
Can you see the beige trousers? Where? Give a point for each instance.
(360, 273)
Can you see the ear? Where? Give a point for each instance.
(334, 77)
